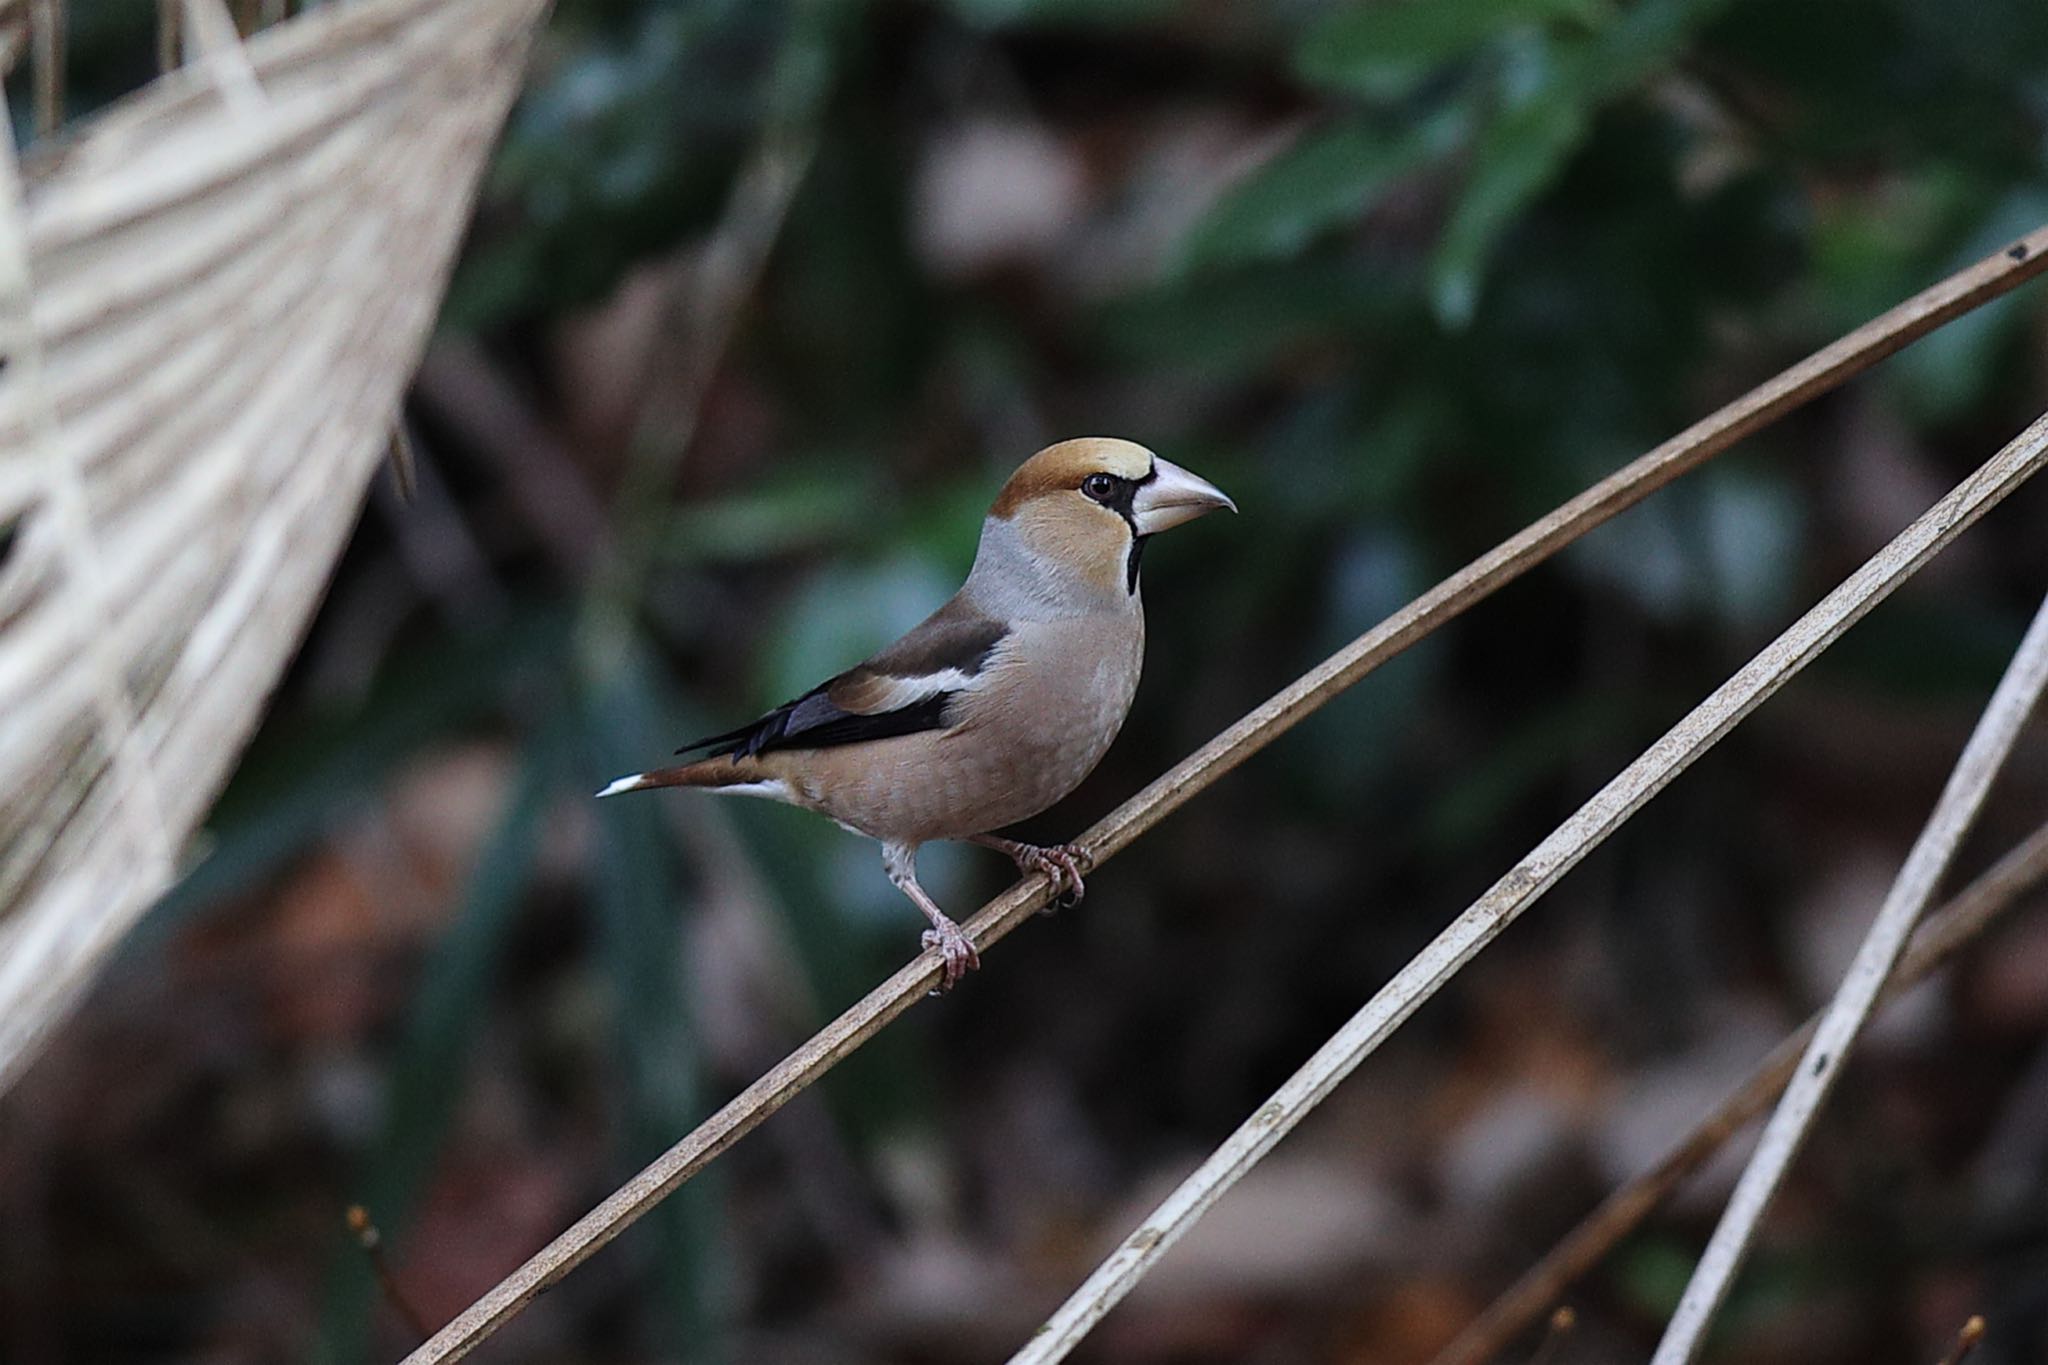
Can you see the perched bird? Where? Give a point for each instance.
(1000, 702)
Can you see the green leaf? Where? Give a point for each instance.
(1643, 40)
(1329, 177)
(1517, 158)
(1528, 146)
(1385, 51)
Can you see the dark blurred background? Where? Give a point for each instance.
(762, 302)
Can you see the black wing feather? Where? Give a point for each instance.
(813, 722)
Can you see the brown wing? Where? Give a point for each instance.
(904, 689)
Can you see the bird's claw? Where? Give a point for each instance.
(1063, 864)
(956, 951)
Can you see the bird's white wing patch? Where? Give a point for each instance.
(903, 692)
(870, 693)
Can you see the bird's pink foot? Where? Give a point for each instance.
(1063, 864)
(955, 949)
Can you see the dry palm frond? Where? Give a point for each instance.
(211, 300)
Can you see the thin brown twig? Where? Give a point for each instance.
(404, 462)
(1818, 373)
(371, 1240)
(1945, 933)
(1968, 1339)
(434, 543)
(1562, 1321)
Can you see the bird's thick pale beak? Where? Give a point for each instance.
(1171, 496)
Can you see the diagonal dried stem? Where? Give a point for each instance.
(1536, 873)
(1946, 932)
(213, 38)
(1840, 1025)
(1823, 370)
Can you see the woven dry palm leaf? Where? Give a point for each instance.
(211, 300)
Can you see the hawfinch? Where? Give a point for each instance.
(1000, 702)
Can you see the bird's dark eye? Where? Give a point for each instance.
(1101, 487)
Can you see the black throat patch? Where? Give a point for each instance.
(1125, 507)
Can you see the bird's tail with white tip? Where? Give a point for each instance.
(713, 773)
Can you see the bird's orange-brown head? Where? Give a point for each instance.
(1085, 506)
